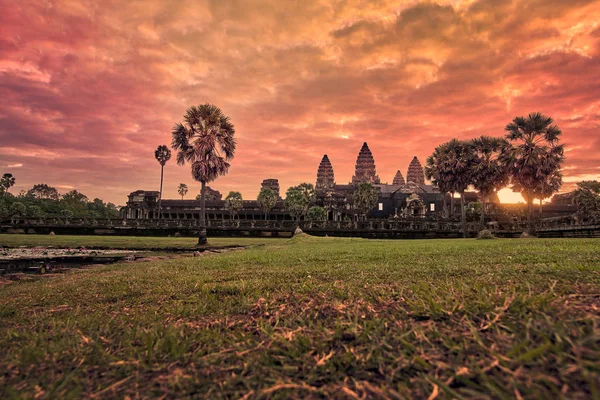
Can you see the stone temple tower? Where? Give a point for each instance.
(325, 177)
(272, 184)
(415, 172)
(398, 179)
(365, 167)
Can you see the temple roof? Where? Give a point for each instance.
(415, 172)
(398, 179)
(325, 176)
(365, 166)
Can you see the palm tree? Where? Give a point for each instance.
(266, 200)
(489, 172)
(162, 155)
(234, 203)
(205, 139)
(437, 171)
(535, 158)
(450, 169)
(182, 189)
(6, 182)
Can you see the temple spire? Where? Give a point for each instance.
(365, 166)
(415, 172)
(325, 176)
(398, 179)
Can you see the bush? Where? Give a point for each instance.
(485, 234)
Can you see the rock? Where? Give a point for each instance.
(52, 233)
(197, 254)
(526, 235)
(298, 231)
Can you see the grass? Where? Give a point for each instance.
(314, 318)
(122, 242)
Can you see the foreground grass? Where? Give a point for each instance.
(311, 317)
(122, 242)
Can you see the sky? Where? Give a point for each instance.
(89, 89)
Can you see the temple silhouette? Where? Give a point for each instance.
(400, 199)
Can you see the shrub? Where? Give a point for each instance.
(485, 234)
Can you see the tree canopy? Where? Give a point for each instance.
(234, 202)
(298, 199)
(266, 200)
(365, 198)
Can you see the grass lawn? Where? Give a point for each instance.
(122, 242)
(315, 317)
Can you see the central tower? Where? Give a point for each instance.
(365, 167)
(325, 177)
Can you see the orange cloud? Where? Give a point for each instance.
(88, 90)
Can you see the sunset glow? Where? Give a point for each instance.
(89, 89)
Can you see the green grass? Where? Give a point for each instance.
(122, 242)
(315, 317)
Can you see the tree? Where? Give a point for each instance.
(162, 155)
(298, 199)
(17, 209)
(6, 182)
(67, 214)
(35, 212)
(365, 198)
(438, 171)
(182, 189)
(43, 191)
(316, 213)
(234, 203)
(489, 172)
(587, 200)
(450, 169)
(535, 158)
(76, 202)
(205, 139)
(266, 200)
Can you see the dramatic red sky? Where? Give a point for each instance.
(88, 89)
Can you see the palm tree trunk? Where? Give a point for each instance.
(202, 239)
(162, 171)
(463, 215)
(445, 207)
(529, 216)
(482, 220)
(451, 204)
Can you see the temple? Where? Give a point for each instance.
(398, 179)
(365, 167)
(402, 199)
(415, 172)
(325, 176)
(272, 184)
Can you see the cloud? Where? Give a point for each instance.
(88, 90)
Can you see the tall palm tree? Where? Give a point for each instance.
(6, 182)
(450, 169)
(535, 158)
(162, 155)
(205, 139)
(182, 189)
(489, 172)
(266, 200)
(437, 171)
